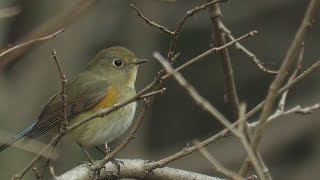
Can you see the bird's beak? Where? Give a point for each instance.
(140, 61)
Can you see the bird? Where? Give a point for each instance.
(108, 79)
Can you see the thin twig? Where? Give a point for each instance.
(276, 84)
(161, 91)
(149, 22)
(174, 34)
(61, 20)
(224, 133)
(63, 125)
(208, 52)
(101, 113)
(206, 106)
(199, 100)
(241, 116)
(219, 38)
(282, 101)
(245, 51)
(295, 110)
(4, 62)
(279, 111)
(189, 14)
(63, 119)
(215, 163)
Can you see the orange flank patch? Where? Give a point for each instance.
(107, 101)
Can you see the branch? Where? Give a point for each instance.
(206, 106)
(63, 124)
(219, 38)
(101, 113)
(174, 34)
(160, 91)
(208, 52)
(61, 20)
(195, 96)
(151, 23)
(294, 110)
(132, 169)
(276, 84)
(189, 14)
(246, 51)
(107, 111)
(215, 163)
(283, 99)
(224, 133)
(63, 115)
(4, 62)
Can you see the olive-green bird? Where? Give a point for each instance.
(109, 79)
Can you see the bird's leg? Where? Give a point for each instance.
(90, 159)
(113, 160)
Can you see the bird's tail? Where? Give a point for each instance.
(19, 136)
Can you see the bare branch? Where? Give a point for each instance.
(161, 91)
(4, 62)
(294, 110)
(101, 113)
(63, 124)
(219, 38)
(215, 163)
(189, 14)
(61, 20)
(208, 52)
(151, 23)
(199, 100)
(241, 116)
(246, 51)
(135, 169)
(206, 106)
(224, 133)
(276, 84)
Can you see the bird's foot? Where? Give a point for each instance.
(117, 164)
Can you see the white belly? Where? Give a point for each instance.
(108, 128)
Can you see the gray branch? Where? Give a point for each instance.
(132, 169)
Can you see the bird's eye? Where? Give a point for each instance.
(117, 63)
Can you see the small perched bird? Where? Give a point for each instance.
(108, 80)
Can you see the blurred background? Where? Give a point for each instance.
(291, 147)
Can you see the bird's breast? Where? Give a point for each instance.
(109, 100)
(110, 127)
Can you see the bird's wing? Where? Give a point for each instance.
(82, 94)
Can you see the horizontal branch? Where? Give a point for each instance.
(29, 43)
(295, 110)
(209, 52)
(132, 169)
(60, 21)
